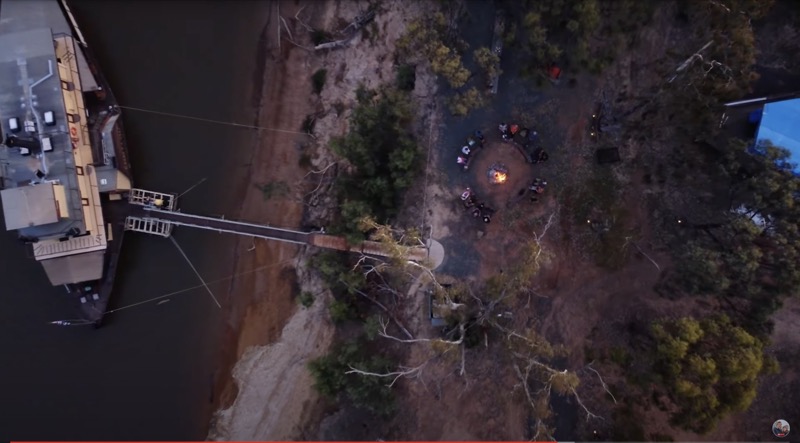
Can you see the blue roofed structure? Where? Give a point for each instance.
(780, 125)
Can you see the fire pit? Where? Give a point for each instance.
(497, 173)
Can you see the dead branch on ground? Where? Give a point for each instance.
(291, 38)
(463, 359)
(359, 22)
(321, 171)
(602, 382)
(322, 185)
(539, 237)
(628, 240)
(697, 55)
(301, 22)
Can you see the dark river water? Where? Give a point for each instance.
(148, 373)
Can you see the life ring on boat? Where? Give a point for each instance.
(73, 132)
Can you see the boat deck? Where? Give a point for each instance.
(93, 297)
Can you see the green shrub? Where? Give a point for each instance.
(306, 299)
(429, 40)
(406, 77)
(385, 158)
(274, 189)
(318, 80)
(710, 368)
(463, 103)
(308, 124)
(331, 378)
(341, 311)
(372, 327)
(320, 36)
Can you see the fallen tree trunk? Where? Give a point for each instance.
(359, 22)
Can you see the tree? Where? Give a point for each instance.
(488, 61)
(710, 368)
(463, 103)
(476, 314)
(427, 40)
(751, 253)
(558, 31)
(383, 157)
(332, 380)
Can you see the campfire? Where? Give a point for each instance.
(498, 174)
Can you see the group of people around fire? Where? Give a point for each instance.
(475, 142)
(476, 208)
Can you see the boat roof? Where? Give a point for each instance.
(29, 74)
(21, 15)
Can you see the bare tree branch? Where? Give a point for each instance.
(539, 237)
(589, 414)
(690, 60)
(321, 171)
(384, 308)
(291, 39)
(407, 372)
(302, 23)
(602, 382)
(385, 334)
(359, 22)
(628, 240)
(463, 359)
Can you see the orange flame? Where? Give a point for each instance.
(500, 177)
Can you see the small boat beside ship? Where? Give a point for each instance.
(64, 166)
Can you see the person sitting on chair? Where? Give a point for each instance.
(543, 156)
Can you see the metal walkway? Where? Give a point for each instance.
(228, 226)
(156, 213)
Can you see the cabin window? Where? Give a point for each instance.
(73, 118)
(67, 86)
(79, 170)
(85, 201)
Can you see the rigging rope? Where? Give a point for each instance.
(219, 122)
(230, 277)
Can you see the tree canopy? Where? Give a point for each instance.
(429, 40)
(753, 253)
(332, 380)
(710, 368)
(383, 155)
(561, 31)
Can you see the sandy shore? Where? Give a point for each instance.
(271, 395)
(262, 303)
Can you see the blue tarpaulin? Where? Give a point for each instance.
(780, 125)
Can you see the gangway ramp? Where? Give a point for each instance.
(156, 213)
(227, 226)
